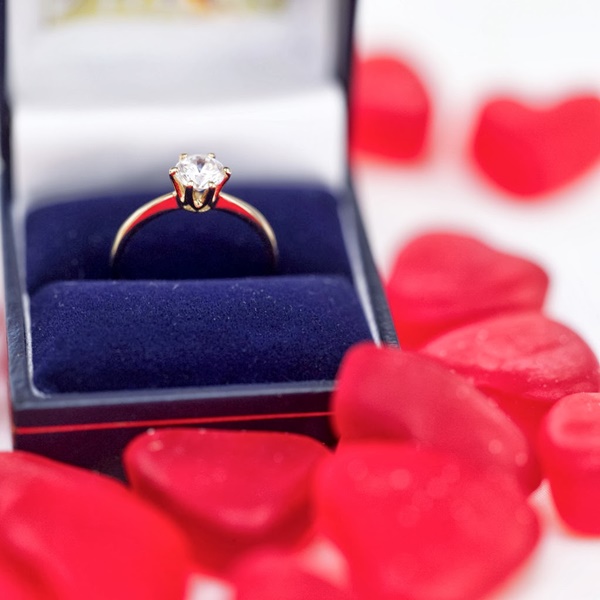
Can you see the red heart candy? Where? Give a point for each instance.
(229, 490)
(17, 582)
(570, 451)
(385, 393)
(523, 360)
(269, 575)
(529, 151)
(389, 110)
(80, 535)
(443, 280)
(420, 525)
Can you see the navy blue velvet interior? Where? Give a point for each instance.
(90, 336)
(194, 305)
(72, 240)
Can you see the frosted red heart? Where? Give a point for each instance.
(386, 393)
(570, 450)
(532, 150)
(417, 524)
(269, 575)
(440, 281)
(76, 534)
(523, 360)
(390, 109)
(230, 490)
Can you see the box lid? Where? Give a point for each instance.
(125, 86)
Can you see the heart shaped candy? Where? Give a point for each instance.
(390, 109)
(530, 151)
(442, 280)
(269, 575)
(417, 524)
(524, 360)
(386, 393)
(78, 535)
(230, 490)
(570, 451)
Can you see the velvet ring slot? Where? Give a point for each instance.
(184, 327)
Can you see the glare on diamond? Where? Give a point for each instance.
(200, 171)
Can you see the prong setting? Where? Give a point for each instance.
(198, 180)
(179, 189)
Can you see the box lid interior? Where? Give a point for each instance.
(106, 93)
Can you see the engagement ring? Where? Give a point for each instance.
(198, 180)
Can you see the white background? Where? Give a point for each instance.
(468, 50)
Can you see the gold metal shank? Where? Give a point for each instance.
(187, 198)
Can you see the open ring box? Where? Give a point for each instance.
(101, 97)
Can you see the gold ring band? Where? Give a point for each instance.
(198, 180)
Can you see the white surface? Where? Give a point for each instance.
(467, 50)
(399, 203)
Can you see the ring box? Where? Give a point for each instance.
(99, 100)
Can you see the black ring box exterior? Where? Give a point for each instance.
(91, 429)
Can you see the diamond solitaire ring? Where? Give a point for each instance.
(198, 180)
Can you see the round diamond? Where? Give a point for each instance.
(200, 171)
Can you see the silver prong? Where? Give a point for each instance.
(183, 156)
(210, 155)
